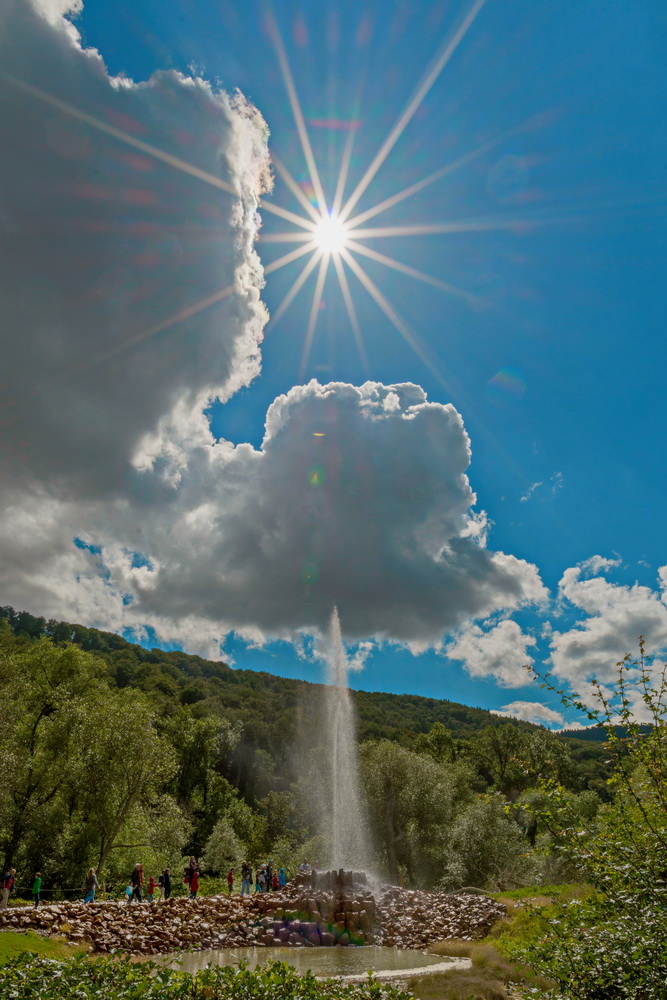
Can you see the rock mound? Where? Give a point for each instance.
(322, 909)
(412, 918)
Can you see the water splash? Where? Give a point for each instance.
(345, 818)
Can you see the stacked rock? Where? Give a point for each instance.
(150, 929)
(320, 909)
(412, 918)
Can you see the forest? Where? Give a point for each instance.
(114, 752)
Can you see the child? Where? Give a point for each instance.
(129, 893)
(194, 884)
(151, 889)
(37, 888)
(230, 881)
(275, 882)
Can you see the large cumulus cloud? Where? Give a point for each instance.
(102, 244)
(119, 508)
(358, 497)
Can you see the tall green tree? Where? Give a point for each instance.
(122, 763)
(42, 690)
(413, 800)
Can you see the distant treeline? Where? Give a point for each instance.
(114, 750)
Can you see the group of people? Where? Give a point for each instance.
(267, 878)
(160, 886)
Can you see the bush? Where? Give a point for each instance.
(487, 848)
(223, 848)
(31, 978)
(614, 943)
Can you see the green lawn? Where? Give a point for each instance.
(13, 943)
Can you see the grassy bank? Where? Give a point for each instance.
(13, 943)
(494, 975)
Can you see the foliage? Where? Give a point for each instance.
(115, 753)
(615, 941)
(39, 979)
(486, 848)
(223, 848)
(413, 799)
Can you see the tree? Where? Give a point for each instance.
(43, 689)
(437, 743)
(487, 849)
(122, 762)
(412, 800)
(223, 848)
(614, 943)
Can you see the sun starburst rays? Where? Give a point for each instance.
(333, 235)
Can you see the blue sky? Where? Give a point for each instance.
(554, 356)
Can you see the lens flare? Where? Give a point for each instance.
(331, 234)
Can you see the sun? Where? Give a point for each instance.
(331, 234)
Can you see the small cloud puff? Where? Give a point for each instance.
(500, 652)
(531, 711)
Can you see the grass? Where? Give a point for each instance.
(490, 977)
(13, 943)
(493, 974)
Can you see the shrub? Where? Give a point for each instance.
(614, 943)
(31, 978)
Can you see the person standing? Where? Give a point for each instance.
(151, 889)
(282, 877)
(230, 881)
(164, 882)
(269, 875)
(136, 878)
(37, 888)
(90, 885)
(194, 884)
(246, 878)
(8, 880)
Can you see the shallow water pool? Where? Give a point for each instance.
(321, 961)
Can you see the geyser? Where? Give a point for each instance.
(345, 824)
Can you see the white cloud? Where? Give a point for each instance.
(102, 243)
(374, 516)
(104, 438)
(357, 660)
(615, 616)
(500, 652)
(599, 564)
(556, 482)
(531, 711)
(529, 492)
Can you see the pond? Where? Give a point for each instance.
(321, 961)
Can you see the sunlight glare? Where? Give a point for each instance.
(331, 234)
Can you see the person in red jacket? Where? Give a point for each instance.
(194, 884)
(8, 880)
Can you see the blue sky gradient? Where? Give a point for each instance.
(557, 367)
